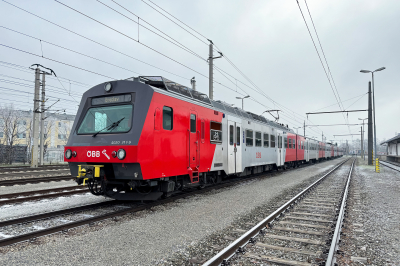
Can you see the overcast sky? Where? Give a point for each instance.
(267, 40)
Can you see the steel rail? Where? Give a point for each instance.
(77, 190)
(34, 192)
(64, 227)
(238, 245)
(331, 259)
(24, 181)
(41, 168)
(391, 167)
(42, 216)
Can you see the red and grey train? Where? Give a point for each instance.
(148, 137)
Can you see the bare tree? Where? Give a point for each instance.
(14, 128)
(64, 129)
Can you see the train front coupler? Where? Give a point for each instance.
(91, 175)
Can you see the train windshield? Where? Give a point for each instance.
(101, 118)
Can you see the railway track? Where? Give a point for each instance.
(41, 194)
(304, 231)
(111, 214)
(24, 181)
(391, 165)
(24, 168)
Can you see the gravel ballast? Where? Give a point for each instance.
(149, 237)
(372, 231)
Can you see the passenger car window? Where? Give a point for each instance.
(215, 132)
(167, 118)
(258, 139)
(249, 137)
(266, 140)
(231, 135)
(238, 136)
(272, 141)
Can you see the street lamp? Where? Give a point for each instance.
(242, 98)
(362, 138)
(373, 99)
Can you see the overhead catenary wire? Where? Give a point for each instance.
(91, 40)
(260, 91)
(174, 41)
(320, 59)
(141, 43)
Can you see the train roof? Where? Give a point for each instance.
(176, 88)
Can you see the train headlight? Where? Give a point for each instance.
(68, 154)
(74, 153)
(108, 87)
(121, 154)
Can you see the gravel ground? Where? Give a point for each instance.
(33, 187)
(372, 231)
(148, 237)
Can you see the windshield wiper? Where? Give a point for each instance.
(110, 127)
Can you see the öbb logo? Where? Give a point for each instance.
(258, 154)
(93, 154)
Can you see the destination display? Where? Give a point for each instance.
(112, 99)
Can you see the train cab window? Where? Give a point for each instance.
(249, 137)
(266, 140)
(167, 118)
(272, 141)
(290, 143)
(285, 142)
(231, 135)
(238, 136)
(258, 139)
(99, 119)
(215, 132)
(193, 123)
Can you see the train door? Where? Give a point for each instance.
(234, 149)
(280, 152)
(194, 141)
(306, 152)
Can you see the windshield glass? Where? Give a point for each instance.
(99, 118)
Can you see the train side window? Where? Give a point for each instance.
(167, 118)
(249, 137)
(258, 139)
(202, 130)
(266, 140)
(294, 144)
(272, 141)
(290, 143)
(285, 142)
(231, 135)
(238, 136)
(215, 132)
(193, 123)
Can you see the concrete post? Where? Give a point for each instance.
(210, 74)
(42, 117)
(370, 135)
(35, 127)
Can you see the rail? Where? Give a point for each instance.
(238, 245)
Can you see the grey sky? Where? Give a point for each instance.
(267, 40)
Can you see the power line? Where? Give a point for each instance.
(91, 40)
(180, 45)
(21, 68)
(177, 23)
(323, 66)
(111, 28)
